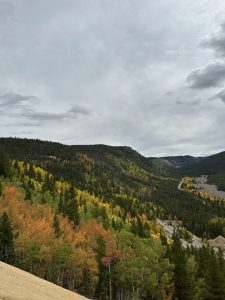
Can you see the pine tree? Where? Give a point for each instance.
(102, 286)
(56, 226)
(5, 167)
(215, 285)
(182, 284)
(6, 239)
(71, 206)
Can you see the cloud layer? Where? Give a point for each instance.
(148, 74)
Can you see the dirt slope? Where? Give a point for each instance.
(16, 284)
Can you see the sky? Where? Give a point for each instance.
(142, 73)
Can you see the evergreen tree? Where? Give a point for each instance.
(102, 286)
(182, 284)
(5, 167)
(6, 239)
(215, 284)
(56, 226)
(71, 206)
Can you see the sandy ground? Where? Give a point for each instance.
(16, 284)
(202, 185)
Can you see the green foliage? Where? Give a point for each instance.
(218, 179)
(5, 165)
(56, 226)
(6, 239)
(183, 288)
(118, 188)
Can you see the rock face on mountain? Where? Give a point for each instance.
(16, 284)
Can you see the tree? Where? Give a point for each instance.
(182, 284)
(215, 284)
(71, 206)
(5, 167)
(56, 226)
(6, 239)
(112, 254)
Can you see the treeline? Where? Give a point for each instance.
(218, 180)
(99, 263)
(86, 258)
(104, 242)
(198, 273)
(196, 213)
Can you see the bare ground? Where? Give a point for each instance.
(16, 284)
(202, 185)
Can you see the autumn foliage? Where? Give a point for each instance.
(63, 260)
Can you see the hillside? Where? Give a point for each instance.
(20, 285)
(85, 218)
(213, 166)
(174, 162)
(209, 165)
(81, 164)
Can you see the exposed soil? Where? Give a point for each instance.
(16, 284)
(200, 183)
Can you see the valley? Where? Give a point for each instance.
(201, 184)
(107, 222)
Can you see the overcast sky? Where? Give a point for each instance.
(149, 74)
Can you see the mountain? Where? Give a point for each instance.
(87, 166)
(175, 162)
(87, 218)
(19, 285)
(209, 165)
(213, 166)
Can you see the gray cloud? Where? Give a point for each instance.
(72, 113)
(211, 76)
(13, 99)
(19, 106)
(220, 95)
(216, 42)
(102, 70)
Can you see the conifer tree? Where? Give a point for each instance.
(6, 239)
(182, 285)
(215, 284)
(71, 206)
(5, 168)
(56, 226)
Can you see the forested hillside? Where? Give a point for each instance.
(213, 166)
(85, 218)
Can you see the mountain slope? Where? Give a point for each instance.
(212, 164)
(175, 162)
(20, 285)
(87, 167)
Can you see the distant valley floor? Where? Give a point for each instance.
(211, 189)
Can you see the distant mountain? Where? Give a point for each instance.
(209, 165)
(177, 162)
(213, 165)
